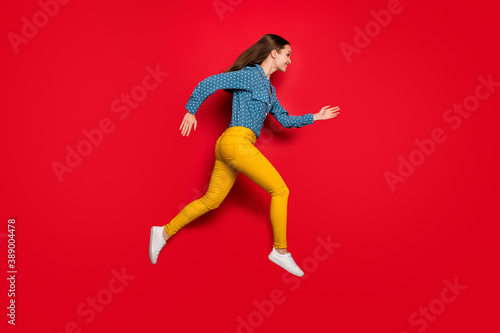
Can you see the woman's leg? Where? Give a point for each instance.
(221, 182)
(250, 161)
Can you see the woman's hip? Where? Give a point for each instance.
(237, 134)
(235, 141)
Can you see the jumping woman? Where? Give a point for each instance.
(253, 98)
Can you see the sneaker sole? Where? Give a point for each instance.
(151, 245)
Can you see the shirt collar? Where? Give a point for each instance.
(262, 71)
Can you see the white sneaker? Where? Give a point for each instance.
(285, 261)
(156, 243)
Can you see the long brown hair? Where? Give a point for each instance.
(258, 52)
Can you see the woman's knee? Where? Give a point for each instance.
(211, 203)
(281, 191)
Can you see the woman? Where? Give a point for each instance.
(253, 98)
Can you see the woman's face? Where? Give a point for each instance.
(282, 59)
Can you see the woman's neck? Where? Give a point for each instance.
(268, 68)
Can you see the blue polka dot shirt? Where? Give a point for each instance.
(253, 98)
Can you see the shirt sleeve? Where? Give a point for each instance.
(288, 121)
(241, 79)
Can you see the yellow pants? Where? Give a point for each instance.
(235, 152)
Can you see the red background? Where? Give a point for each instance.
(396, 247)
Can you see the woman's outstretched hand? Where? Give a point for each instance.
(326, 113)
(187, 123)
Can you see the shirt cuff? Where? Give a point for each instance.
(309, 118)
(191, 107)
